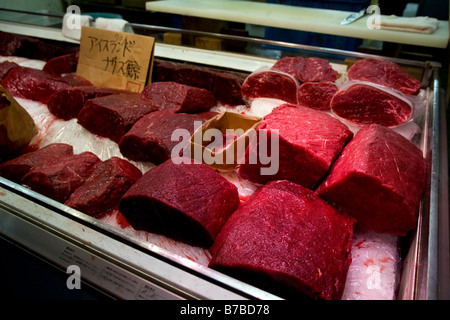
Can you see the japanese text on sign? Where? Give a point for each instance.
(115, 59)
(116, 50)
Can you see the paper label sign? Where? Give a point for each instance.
(115, 59)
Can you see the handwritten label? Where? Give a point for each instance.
(115, 59)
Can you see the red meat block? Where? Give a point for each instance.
(307, 69)
(162, 70)
(75, 80)
(362, 104)
(183, 73)
(378, 179)
(113, 115)
(270, 84)
(386, 73)
(195, 76)
(66, 104)
(308, 142)
(316, 95)
(33, 84)
(103, 190)
(188, 202)
(32, 48)
(59, 178)
(176, 97)
(66, 63)
(15, 169)
(10, 44)
(150, 138)
(227, 87)
(287, 240)
(5, 67)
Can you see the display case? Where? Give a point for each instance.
(125, 266)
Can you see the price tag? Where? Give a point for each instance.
(115, 59)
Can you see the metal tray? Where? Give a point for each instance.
(127, 267)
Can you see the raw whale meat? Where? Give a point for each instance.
(113, 115)
(270, 84)
(379, 179)
(103, 190)
(163, 70)
(150, 138)
(188, 202)
(386, 73)
(57, 179)
(227, 87)
(33, 84)
(33, 48)
(183, 73)
(316, 95)
(287, 240)
(12, 44)
(176, 97)
(5, 67)
(309, 141)
(363, 104)
(66, 63)
(66, 104)
(307, 69)
(15, 169)
(75, 80)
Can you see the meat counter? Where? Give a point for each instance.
(127, 265)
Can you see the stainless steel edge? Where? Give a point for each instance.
(433, 230)
(444, 212)
(284, 44)
(261, 41)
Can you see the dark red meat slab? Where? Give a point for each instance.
(287, 240)
(5, 67)
(307, 69)
(163, 70)
(195, 76)
(75, 80)
(150, 138)
(176, 97)
(15, 169)
(183, 73)
(364, 104)
(103, 190)
(33, 84)
(66, 104)
(113, 115)
(378, 179)
(32, 48)
(10, 44)
(270, 84)
(227, 87)
(316, 95)
(66, 63)
(57, 179)
(309, 141)
(188, 202)
(386, 73)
